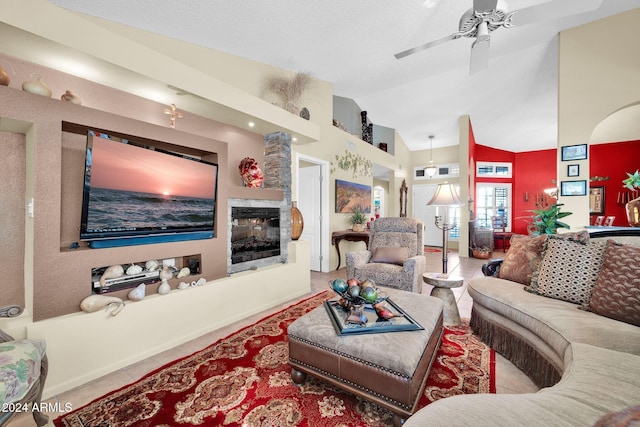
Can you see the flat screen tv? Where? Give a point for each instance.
(139, 194)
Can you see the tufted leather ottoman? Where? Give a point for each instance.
(389, 369)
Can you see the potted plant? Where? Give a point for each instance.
(357, 219)
(547, 220)
(632, 182)
(481, 252)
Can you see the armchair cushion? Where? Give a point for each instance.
(390, 255)
(20, 363)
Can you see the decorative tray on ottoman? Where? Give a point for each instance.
(400, 321)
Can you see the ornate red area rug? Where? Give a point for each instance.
(244, 380)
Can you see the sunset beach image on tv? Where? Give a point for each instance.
(132, 190)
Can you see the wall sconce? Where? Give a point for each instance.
(551, 192)
(431, 169)
(173, 115)
(525, 196)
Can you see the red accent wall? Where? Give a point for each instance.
(533, 171)
(613, 160)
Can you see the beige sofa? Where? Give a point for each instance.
(586, 364)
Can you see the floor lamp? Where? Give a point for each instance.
(445, 196)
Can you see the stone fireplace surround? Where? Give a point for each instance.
(277, 174)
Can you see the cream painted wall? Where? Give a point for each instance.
(599, 67)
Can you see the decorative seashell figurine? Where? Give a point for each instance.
(151, 265)
(201, 281)
(134, 269)
(137, 293)
(70, 97)
(37, 86)
(111, 273)
(183, 273)
(94, 303)
(165, 275)
(183, 285)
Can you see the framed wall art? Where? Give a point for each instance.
(351, 196)
(573, 188)
(573, 170)
(574, 152)
(596, 200)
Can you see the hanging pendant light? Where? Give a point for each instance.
(431, 169)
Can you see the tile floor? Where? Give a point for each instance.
(508, 378)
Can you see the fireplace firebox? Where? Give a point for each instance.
(255, 233)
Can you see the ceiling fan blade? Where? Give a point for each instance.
(426, 46)
(552, 10)
(484, 5)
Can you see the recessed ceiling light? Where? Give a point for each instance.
(251, 124)
(294, 139)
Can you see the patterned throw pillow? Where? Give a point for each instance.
(568, 270)
(521, 262)
(617, 291)
(522, 258)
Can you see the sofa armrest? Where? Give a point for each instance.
(356, 259)
(491, 268)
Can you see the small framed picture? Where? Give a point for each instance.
(573, 170)
(574, 152)
(573, 188)
(596, 201)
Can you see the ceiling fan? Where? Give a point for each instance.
(484, 17)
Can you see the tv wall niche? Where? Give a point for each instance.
(138, 191)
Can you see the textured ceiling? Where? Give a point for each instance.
(512, 103)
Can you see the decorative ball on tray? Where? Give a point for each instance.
(355, 294)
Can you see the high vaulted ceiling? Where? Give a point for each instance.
(512, 103)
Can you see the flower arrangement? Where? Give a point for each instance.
(250, 172)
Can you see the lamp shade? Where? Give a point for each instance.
(445, 195)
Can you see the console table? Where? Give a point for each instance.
(349, 236)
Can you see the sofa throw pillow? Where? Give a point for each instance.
(388, 255)
(578, 236)
(617, 290)
(568, 270)
(522, 258)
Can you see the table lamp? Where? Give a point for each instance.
(445, 196)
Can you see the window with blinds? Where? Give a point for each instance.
(494, 169)
(493, 200)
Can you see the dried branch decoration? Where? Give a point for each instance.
(289, 89)
(359, 165)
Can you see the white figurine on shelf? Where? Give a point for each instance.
(165, 275)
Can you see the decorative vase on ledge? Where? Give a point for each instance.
(297, 221)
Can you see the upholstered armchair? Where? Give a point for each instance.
(23, 370)
(395, 256)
